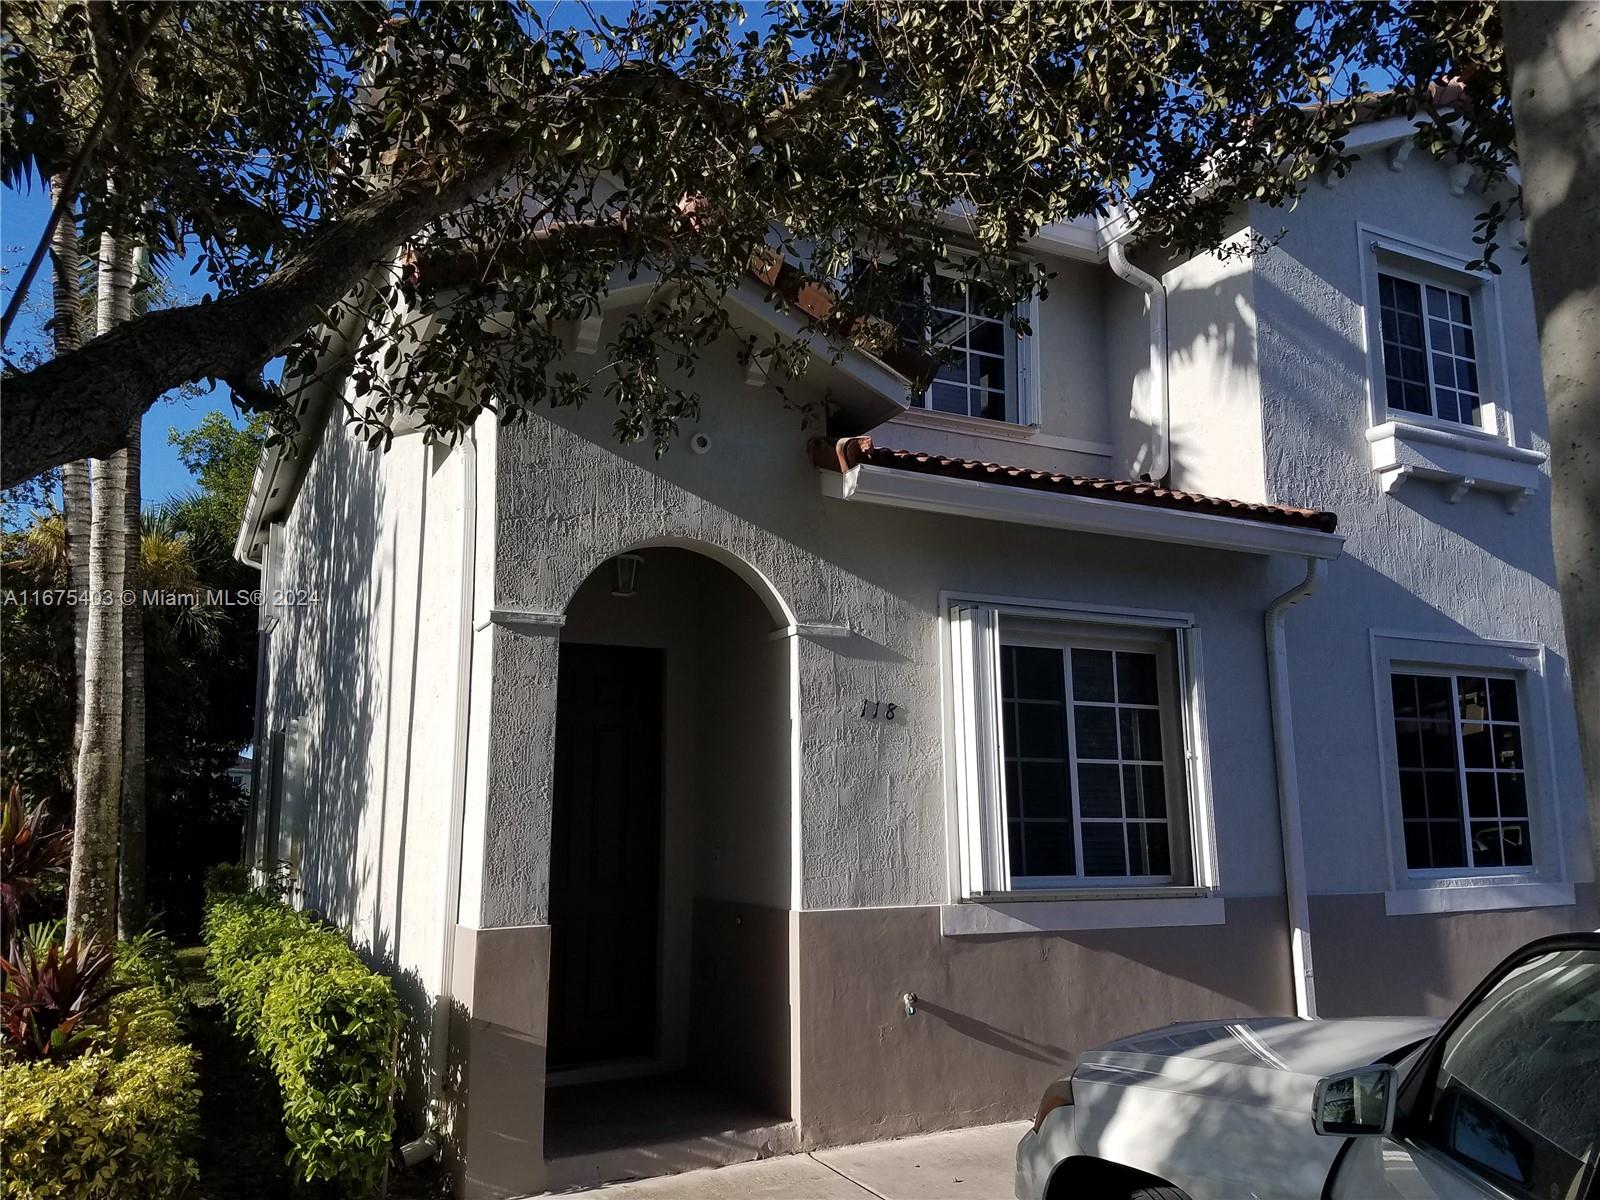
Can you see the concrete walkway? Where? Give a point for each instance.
(966, 1164)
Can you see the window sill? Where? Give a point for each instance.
(1461, 460)
(1463, 894)
(1060, 912)
(930, 418)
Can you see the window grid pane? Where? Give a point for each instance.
(1038, 788)
(1118, 757)
(1084, 764)
(977, 377)
(1463, 785)
(1430, 363)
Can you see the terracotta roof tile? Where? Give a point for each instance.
(843, 454)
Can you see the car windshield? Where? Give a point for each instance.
(1515, 1094)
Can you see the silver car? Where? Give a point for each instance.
(1502, 1100)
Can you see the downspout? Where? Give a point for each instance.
(1160, 459)
(427, 1145)
(1294, 856)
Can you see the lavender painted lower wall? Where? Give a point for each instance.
(998, 1017)
(1370, 964)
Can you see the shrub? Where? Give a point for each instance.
(226, 879)
(32, 857)
(325, 1024)
(116, 1120)
(53, 993)
(148, 960)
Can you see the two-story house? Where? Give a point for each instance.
(1196, 655)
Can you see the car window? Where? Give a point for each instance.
(1516, 1098)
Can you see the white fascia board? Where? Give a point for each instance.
(261, 486)
(278, 473)
(1080, 238)
(1083, 514)
(854, 363)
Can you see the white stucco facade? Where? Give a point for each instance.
(812, 854)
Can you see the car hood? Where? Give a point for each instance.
(1274, 1061)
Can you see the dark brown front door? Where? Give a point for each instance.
(605, 855)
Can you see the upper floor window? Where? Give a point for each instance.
(1430, 360)
(984, 366)
(1463, 782)
(1074, 772)
(970, 332)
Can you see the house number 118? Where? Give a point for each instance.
(877, 710)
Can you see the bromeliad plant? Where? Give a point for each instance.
(32, 854)
(53, 990)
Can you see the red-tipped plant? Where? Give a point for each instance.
(31, 854)
(51, 991)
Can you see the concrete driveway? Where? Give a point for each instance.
(967, 1164)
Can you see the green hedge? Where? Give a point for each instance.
(325, 1024)
(116, 1120)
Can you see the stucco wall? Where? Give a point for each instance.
(1413, 562)
(873, 816)
(1074, 395)
(364, 676)
(1213, 376)
(999, 1018)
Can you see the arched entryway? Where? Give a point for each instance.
(670, 858)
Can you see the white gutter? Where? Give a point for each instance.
(450, 912)
(1117, 255)
(1294, 855)
(1086, 514)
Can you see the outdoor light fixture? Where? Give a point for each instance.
(627, 574)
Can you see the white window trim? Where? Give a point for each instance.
(976, 832)
(1000, 431)
(1394, 254)
(1404, 445)
(1542, 884)
(1029, 406)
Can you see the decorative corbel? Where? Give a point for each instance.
(1393, 478)
(587, 338)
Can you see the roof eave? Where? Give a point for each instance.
(1083, 514)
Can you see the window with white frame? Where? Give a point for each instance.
(970, 332)
(1072, 764)
(1458, 745)
(981, 360)
(1430, 355)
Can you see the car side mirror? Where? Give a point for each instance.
(1358, 1103)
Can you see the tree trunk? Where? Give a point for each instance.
(1553, 53)
(91, 889)
(131, 876)
(67, 334)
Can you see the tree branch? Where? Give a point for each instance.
(81, 404)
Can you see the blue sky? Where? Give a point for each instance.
(23, 213)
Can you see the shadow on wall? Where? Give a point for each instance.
(993, 1035)
(344, 678)
(329, 671)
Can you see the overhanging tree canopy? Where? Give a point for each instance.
(454, 161)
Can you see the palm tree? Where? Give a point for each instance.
(91, 893)
(66, 325)
(131, 873)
